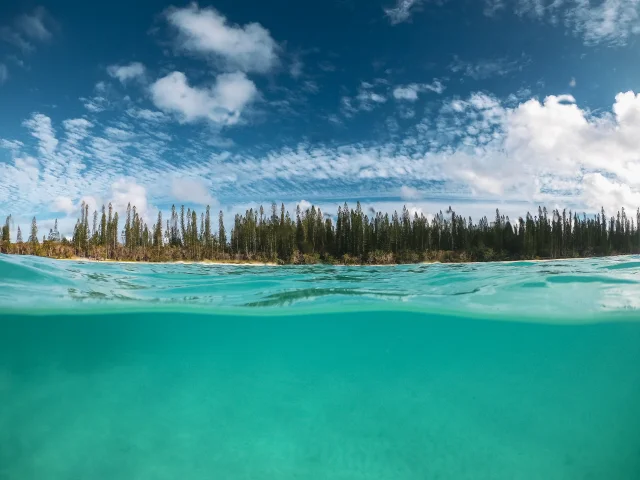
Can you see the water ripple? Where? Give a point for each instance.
(579, 290)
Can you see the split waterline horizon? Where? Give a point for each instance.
(523, 370)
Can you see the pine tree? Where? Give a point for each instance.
(157, 232)
(127, 229)
(103, 228)
(183, 233)
(207, 232)
(222, 235)
(6, 231)
(33, 237)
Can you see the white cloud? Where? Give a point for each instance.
(366, 100)
(549, 151)
(486, 68)
(554, 149)
(4, 73)
(410, 92)
(304, 205)
(409, 193)
(95, 104)
(599, 191)
(118, 134)
(367, 96)
(146, 114)
(124, 73)
(125, 191)
(402, 11)
(13, 145)
(249, 48)
(572, 82)
(77, 129)
(99, 102)
(40, 126)
(191, 190)
(612, 21)
(222, 103)
(63, 204)
(606, 21)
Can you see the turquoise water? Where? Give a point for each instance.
(481, 371)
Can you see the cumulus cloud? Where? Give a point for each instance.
(599, 191)
(125, 73)
(553, 149)
(222, 103)
(191, 190)
(204, 31)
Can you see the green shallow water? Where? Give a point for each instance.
(492, 371)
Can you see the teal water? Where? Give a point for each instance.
(482, 371)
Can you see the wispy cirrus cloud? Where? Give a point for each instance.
(610, 22)
(402, 11)
(24, 34)
(547, 150)
(368, 97)
(40, 127)
(484, 68)
(28, 29)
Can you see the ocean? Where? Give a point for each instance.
(525, 370)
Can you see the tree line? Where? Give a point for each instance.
(312, 236)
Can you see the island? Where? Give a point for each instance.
(351, 237)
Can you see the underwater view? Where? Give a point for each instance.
(524, 370)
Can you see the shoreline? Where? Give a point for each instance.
(274, 264)
(177, 262)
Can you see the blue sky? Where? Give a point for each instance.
(429, 103)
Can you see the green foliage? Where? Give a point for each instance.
(33, 237)
(5, 236)
(354, 237)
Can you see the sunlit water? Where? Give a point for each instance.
(482, 371)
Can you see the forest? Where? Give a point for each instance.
(312, 236)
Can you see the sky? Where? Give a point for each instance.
(473, 104)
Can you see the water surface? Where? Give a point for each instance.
(481, 371)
